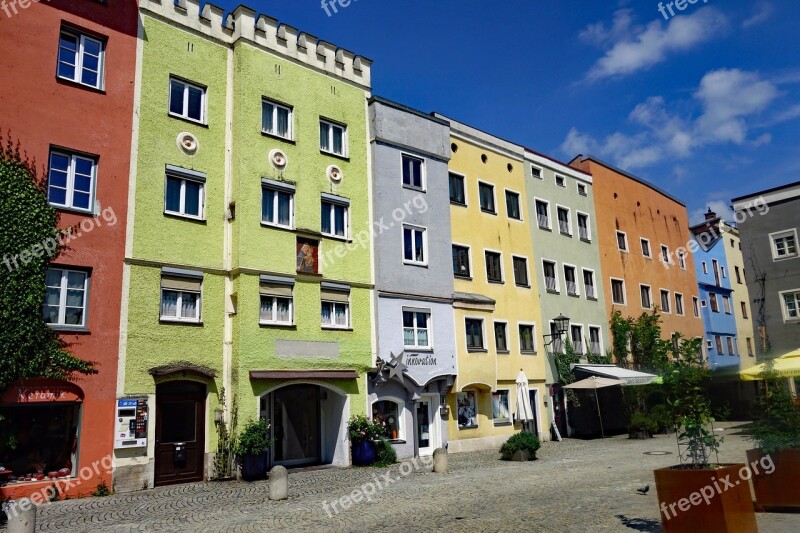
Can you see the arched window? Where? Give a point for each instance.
(388, 412)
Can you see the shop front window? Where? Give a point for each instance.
(387, 412)
(38, 441)
(500, 411)
(467, 409)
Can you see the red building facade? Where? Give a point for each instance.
(68, 69)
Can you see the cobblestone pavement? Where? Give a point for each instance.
(574, 486)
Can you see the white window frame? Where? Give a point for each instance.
(679, 297)
(594, 284)
(423, 178)
(577, 283)
(527, 271)
(275, 224)
(275, 106)
(101, 63)
(665, 249)
(682, 259)
(588, 237)
(781, 235)
(785, 309)
(414, 229)
(531, 325)
(649, 295)
(504, 323)
(483, 347)
(62, 298)
(417, 346)
(486, 266)
(401, 416)
(549, 213)
(661, 293)
(494, 198)
(469, 258)
(274, 320)
(555, 272)
(569, 219)
(182, 209)
(590, 327)
(649, 254)
(519, 204)
(585, 189)
(70, 191)
(331, 214)
(184, 114)
(541, 172)
(705, 267)
(582, 341)
(345, 138)
(333, 324)
(624, 292)
(625, 238)
(463, 182)
(179, 307)
(726, 305)
(696, 306)
(563, 180)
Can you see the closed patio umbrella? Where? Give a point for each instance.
(524, 411)
(595, 383)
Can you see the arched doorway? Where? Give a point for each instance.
(307, 425)
(180, 432)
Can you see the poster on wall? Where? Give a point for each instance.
(467, 410)
(500, 411)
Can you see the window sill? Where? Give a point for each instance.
(503, 352)
(415, 189)
(574, 294)
(397, 441)
(502, 423)
(276, 226)
(411, 263)
(278, 137)
(334, 328)
(566, 234)
(551, 291)
(428, 349)
(73, 210)
(67, 329)
(167, 321)
(336, 237)
(587, 241)
(465, 278)
(526, 286)
(186, 218)
(79, 85)
(488, 212)
(333, 154)
(270, 325)
(458, 204)
(187, 119)
(496, 281)
(591, 298)
(477, 350)
(526, 352)
(467, 427)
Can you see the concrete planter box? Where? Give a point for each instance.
(773, 491)
(521, 455)
(680, 493)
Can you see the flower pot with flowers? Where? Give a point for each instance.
(363, 432)
(252, 450)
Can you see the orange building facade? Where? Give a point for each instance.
(69, 69)
(645, 254)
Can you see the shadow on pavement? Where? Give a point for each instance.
(640, 524)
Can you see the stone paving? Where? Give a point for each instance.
(574, 486)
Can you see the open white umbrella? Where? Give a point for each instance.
(595, 383)
(524, 411)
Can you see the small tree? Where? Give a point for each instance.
(564, 362)
(777, 425)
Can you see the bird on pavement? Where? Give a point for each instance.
(643, 491)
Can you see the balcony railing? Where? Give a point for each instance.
(544, 222)
(550, 284)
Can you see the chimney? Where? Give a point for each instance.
(710, 215)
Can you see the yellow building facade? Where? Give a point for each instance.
(496, 302)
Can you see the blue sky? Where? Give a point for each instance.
(705, 104)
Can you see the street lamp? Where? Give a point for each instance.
(561, 326)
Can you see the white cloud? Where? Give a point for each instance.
(630, 49)
(763, 12)
(727, 100)
(720, 207)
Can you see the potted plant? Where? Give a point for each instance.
(641, 426)
(363, 433)
(252, 450)
(520, 447)
(700, 494)
(776, 460)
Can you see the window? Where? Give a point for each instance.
(682, 259)
(695, 307)
(277, 301)
(588, 284)
(733, 245)
(486, 192)
(703, 303)
(543, 214)
(185, 193)
(276, 119)
(618, 291)
(738, 275)
(571, 281)
(527, 342)
(722, 270)
(714, 304)
(583, 227)
(560, 181)
(678, 304)
(563, 221)
(665, 301)
(784, 244)
(576, 336)
(705, 268)
(181, 296)
(536, 172)
(550, 280)
(709, 344)
(187, 101)
(582, 189)
(726, 305)
(277, 204)
(622, 241)
(335, 301)
(521, 272)
(333, 138)
(461, 261)
(80, 59)
(70, 181)
(501, 337)
(664, 253)
(512, 205)
(467, 409)
(416, 329)
(414, 244)
(335, 216)
(413, 172)
(749, 343)
(595, 346)
(457, 195)
(718, 342)
(744, 310)
(646, 248)
(65, 302)
(494, 269)
(474, 329)
(387, 412)
(791, 305)
(729, 341)
(500, 411)
(647, 296)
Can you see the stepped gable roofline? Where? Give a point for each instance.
(264, 31)
(558, 166)
(407, 109)
(627, 174)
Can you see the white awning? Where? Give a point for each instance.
(628, 377)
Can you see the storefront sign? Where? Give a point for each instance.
(420, 360)
(42, 390)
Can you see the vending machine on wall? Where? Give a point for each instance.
(130, 426)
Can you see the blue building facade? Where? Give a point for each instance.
(717, 303)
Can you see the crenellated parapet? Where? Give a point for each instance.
(265, 31)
